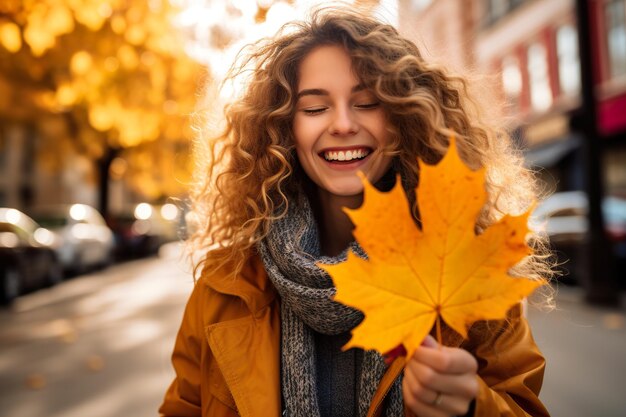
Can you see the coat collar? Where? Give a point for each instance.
(252, 285)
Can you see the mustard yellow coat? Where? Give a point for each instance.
(227, 356)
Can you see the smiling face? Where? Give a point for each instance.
(339, 126)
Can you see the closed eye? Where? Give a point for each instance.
(315, 110)
(367, 106)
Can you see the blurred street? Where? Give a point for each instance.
(108, 108)
(585, 348)
(99, 346)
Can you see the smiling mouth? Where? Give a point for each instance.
(349, 155)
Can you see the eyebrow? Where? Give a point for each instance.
(322, 92)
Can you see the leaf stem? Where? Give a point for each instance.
(439, 331)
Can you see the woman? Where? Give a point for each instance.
(261, 334)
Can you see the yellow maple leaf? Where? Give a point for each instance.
(414, 277)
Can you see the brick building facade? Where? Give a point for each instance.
(530, 49)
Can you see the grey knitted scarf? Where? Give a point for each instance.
(289, 253)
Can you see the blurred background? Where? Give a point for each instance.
(100, 101)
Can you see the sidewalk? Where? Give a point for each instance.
(585, 349)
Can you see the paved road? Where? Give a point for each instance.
(99, 346)
(94, 346)
(585, 348)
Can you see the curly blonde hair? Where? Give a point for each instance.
(253, 171)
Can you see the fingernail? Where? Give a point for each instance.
(430, 342)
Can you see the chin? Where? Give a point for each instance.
(345, 188)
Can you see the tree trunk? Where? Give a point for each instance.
(104, 164)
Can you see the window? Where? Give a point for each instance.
(538, 77)
(511, 79)
(497, 9)
(615, 17)
(569, 61)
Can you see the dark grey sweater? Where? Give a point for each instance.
(337, 376)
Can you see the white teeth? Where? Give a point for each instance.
(345, 156)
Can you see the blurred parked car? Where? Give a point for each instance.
(141, 232)
(27, 258)
(563, 217)
(84, 239)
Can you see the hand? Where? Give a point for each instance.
(439, 381)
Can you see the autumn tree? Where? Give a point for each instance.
(102, 78)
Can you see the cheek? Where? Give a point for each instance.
(298, 132)
(302, 156)
(377, 126)
(303, 136)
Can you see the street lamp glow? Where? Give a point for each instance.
(9, 240)
(169, 211)
(143, 211)
(78, 212)
(44, 236)
(13, 216)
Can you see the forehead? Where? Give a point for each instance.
(326, 67)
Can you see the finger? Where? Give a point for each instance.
(412, 388)
(462, 385)
(430, 342)
(422, 409)
(451, 405)
(447, 360)
(425, 402)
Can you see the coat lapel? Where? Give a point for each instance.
(247, 349)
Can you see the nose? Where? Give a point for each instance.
(343, 122)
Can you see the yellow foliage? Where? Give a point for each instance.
(109, 64)
(158, 77)
(118, 24)
(414, 277)
(66, 95)
(101, 117)
(45, 23)
(95, 77)
(59, 19)
(93, 13)
(128, 57)
(46, 99)
(92, 141)
(38, 39)
(81, 62)
(10, 6)
(137, 126)
(10, 36)
(135, 34)
(183, 70)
